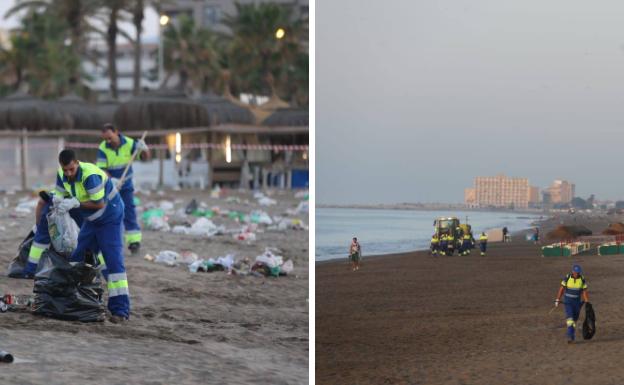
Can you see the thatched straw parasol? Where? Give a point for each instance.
(221, 110)
(105, 111)
(614, 229)
(160, 110)
(291, 117)
(22, 111)
(83, 114)
(568, 232)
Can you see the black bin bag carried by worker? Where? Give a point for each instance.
(17, 265)
(67, 291)
(589, 325)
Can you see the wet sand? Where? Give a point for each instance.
(185, 328)
(416, 319)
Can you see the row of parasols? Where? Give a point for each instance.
(164, 109)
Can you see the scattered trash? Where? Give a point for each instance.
(166, 205)
(259, 217)
(202, 227)
(216, 192)
(191, 207)
(188, 257)
(269, 264)
(303, 194)
(167, 257)
(266, 201)
(149, 257)
(18, 264)
(6, 357)
(154, 219)
(233, 200)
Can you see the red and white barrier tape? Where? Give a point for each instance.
(270, 147)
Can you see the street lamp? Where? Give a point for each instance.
(164, 20)
(280, 33)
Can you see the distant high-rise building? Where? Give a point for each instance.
(561, 191)
(470, 197)
(501, 191)
(534, 195)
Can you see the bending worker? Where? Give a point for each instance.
(91, 190)
(114, 154)
(574, 287)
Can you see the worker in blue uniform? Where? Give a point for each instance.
(466, 243)
(90, 189)
(573, 288)
(114, 154)
(435, 244)
(483, 239)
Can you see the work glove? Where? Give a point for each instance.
(556, 302)
(115, 182)
(68, 204)
(141, 145)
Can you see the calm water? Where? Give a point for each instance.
(394, 231)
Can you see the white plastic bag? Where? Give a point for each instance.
(63, 231)
(168, 257)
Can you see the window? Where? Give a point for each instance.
(212, 15)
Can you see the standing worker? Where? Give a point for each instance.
(451, 243)
(573, 286)
(443, 244)
(435, 244)
(355, 254)
(114, 154)
(91, 190)
(483, 242)
(466, 243)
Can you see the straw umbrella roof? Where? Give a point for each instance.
(566, 232)
(21, 110)
(160, 110)
(105, 111)
(222, 110)
(614, 229)
(83, 114)
(287, 117)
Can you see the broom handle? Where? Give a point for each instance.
(123, 176)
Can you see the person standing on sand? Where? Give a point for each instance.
(483, 242)
(355, 254)
(536, 236)
(505, 231)
(435, 243)
(574, 287)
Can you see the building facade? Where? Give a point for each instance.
(561, 191)
(211, 13)
(534, 195)
(501, 191)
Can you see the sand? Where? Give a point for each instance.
(415, 319)
(185, 328)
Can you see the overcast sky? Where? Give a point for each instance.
(416, 98)
(150, 23)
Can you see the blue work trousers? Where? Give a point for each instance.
(131, 225)
(572, 311)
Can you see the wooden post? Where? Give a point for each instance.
(161, 156)
(23, 155)
(210, 162)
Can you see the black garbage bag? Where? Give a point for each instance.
(17, 265)
(589, 325)
(67, 291)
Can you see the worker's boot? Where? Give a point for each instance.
(117, 319)
(134, 247)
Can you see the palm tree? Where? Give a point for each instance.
(74, 13)
(137, 19)
(255, 51)
(193, 53)
(113, 8)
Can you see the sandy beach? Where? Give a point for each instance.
(185, 328)
(416, 319)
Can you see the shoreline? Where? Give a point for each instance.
(423, 207)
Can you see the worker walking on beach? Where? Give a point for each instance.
(89, 189)
(483, 238)
(573, 287)
(466, 243)
(114, 154)
(435, 244)
(355, 254)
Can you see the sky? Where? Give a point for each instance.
(416, 98)
(150, 23)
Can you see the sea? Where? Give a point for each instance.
(395, 231)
